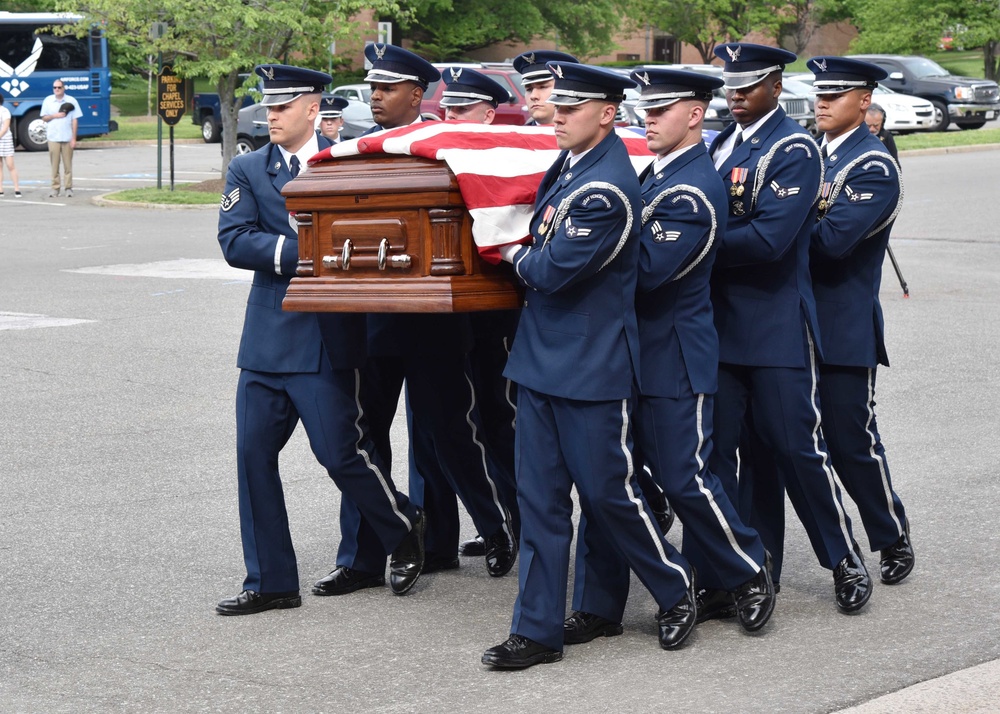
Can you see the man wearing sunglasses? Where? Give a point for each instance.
(60, 112)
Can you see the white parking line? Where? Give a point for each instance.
(183, 268)
(29, 321)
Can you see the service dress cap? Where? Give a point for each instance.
(747, 64)
(835, 75)
(332, 107)
(392, 64)
(464, 86)
(661, 87)
(284, 83)
(579, 83)
(531, 65)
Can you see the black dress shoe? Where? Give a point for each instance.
(851, 582)
(473, 547)
(662, 511)
(897, 559)
(583, 627)
(501, 550)
(677, 623)
(249, 602)
(714, 604)
(407, 561)
(342, 581)
(437, 563)
(755, 601)
(519, 652)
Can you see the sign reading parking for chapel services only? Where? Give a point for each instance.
(170, 98)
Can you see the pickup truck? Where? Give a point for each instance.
(964, 101)
(205, 113)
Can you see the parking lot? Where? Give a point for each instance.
(119, 531)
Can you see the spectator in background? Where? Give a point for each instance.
(7, 148)
(61, 112)
(875, 119)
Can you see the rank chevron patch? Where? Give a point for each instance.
(782, 191)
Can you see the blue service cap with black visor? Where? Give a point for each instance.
(747, 64)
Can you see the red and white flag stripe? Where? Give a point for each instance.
(498, 168)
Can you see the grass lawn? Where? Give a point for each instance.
(206, 193)
(938, 139)
(144, 128)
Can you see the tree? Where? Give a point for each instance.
(704, 24)
(448, 29)
(974, 23)
(219, 39)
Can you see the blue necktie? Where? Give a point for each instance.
(293, 165)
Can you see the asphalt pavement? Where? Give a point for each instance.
(119, 529)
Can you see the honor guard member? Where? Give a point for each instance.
(331, 117)
(286, 375)
(575, 356)
(765, 313)
(862, 196)
(427, 351)
(471, 96)
(538, 81)
(683, 220)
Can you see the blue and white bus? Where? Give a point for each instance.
(32, 57)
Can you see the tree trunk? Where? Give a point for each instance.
(229, 109)
(990, 59)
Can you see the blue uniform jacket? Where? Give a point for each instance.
(761, 288)
(848, 249)
(683, 222)
(256, 233)
(577, 337)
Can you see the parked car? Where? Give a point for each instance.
(357, 92)
(251, 128)
(966, 102)
(903, 112)
(205, 112)
(513, 112)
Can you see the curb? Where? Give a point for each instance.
(941, 150)
(102, 201)
(111, 144)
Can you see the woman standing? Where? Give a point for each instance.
(7, 149)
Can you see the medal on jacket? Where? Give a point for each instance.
(738, 209)
(824, 204)
(546, 219)
(738, 177)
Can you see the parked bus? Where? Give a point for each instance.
(32, 56)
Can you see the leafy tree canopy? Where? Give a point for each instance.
(707, 23)
(219, 39)
(972, 23)
(448, 29)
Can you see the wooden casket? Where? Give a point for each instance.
(384, 233)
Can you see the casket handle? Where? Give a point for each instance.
(381, 261)
(345, 258)
(383, 250)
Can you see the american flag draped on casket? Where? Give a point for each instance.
(498, 168)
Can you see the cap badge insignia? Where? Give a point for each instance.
(455, 74)
(821, 65)
(644, 78)
(734, 53)
(268, 73)
(530, 59)
(380, 52)
(557, 70)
